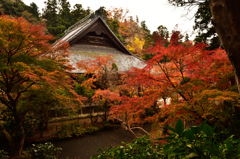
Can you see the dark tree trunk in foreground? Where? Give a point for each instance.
(226, 21)
(18, 143)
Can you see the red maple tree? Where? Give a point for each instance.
(29, 62)
(181, 80)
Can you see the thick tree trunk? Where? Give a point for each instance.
(18, 143)
(226, 21)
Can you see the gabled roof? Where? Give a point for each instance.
(95, 21)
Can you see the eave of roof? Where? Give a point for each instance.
(123, 61)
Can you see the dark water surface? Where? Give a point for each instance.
(85, 146)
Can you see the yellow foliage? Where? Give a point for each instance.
(136, 45)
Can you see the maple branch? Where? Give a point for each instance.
(140, 129)
(179, 68)
(19, 80)
(19, 93)
(5, 79)
(127, 127)
(11, 78)
(181, 71)
(171, 81)
(166, 75)
(27, 87)
(7, 84)
(4, 101)
(20, 44)
(3, 49)
(11, 99)
(29, 48)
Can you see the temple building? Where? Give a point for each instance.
(91, 36)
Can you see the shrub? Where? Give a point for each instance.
(44, 151)
(3, 154)
(75, 131)
(199, 142)
(140, 148)
(92, 128)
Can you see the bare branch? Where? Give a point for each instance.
(127, 127)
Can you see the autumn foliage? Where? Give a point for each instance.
(134, 37)
(102, 73)
(181, 80)
(29, 64)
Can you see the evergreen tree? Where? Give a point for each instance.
(131, 19)
(144, 26)
(203, 24)
(34, 10)
(88, 11)
(50, 13)
(163, 31)
(59, 16)
(145, 29)
(114, 26)
(12, 8)
(112, 23)
(64, 13)
(19, 9)
(78, 13)
(137, 20)
(186, 37)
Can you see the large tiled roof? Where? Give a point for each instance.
(124, 59)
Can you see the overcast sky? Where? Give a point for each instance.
(154, 12)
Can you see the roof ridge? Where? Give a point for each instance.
(93, 15)
(77, 24)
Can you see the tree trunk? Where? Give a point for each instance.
(91, 116)
(105, 115)
(105, 111)
(7, 136)
(41, 124)
(18, 143)
(41, 129)
(226, 21)
(5, 133)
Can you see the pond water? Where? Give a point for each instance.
(85, 146)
